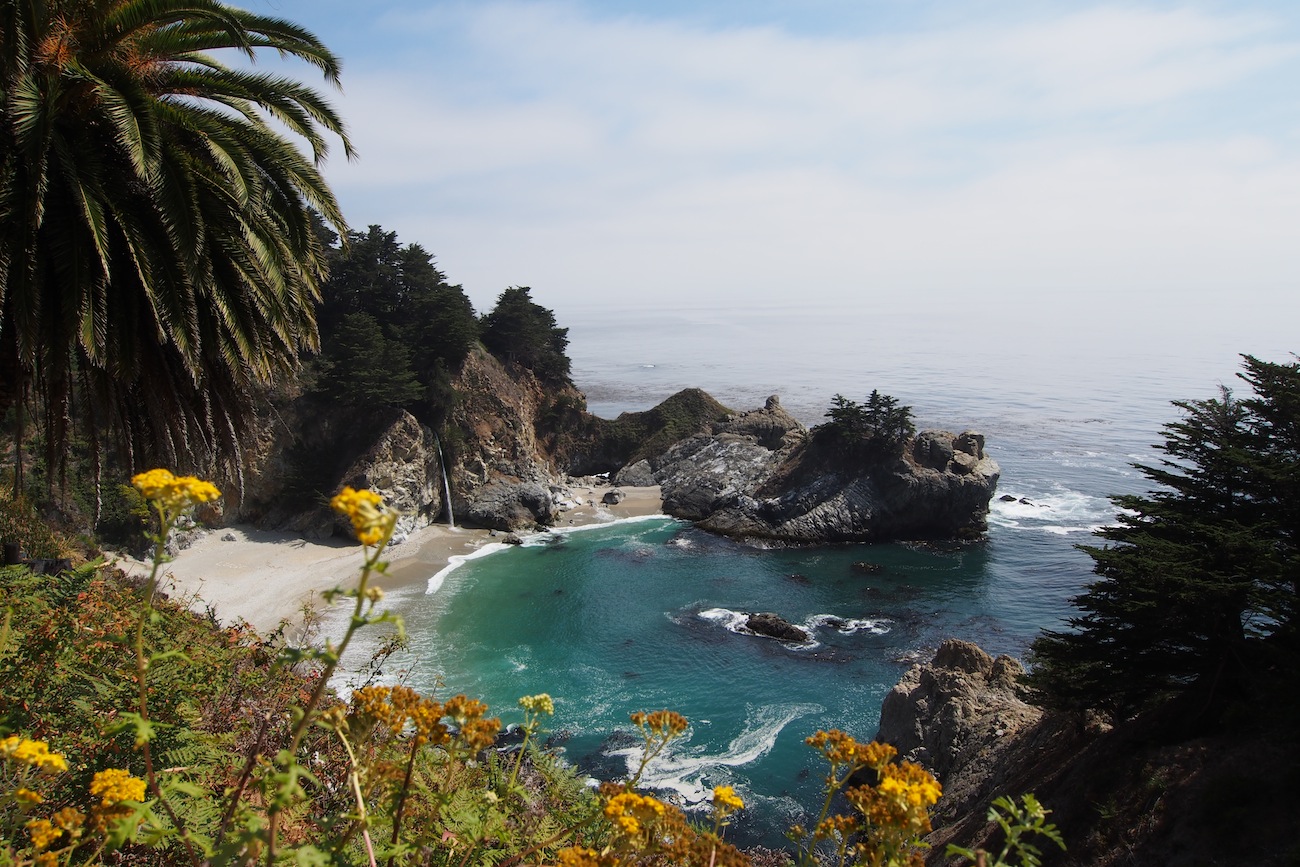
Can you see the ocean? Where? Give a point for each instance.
(642, 614)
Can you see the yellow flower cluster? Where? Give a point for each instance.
(581, 856)
(630, 812)
(33, 753)
(901, 800)
(26, 796)
(372, 521)
(476, 732)
(540, 703)
(399, 706)
(43, 833)
(114, 786)
(911, 784)
(726, 800)
(841, 749)
(665, 724)
(172, 493)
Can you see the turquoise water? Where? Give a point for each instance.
(641, 615)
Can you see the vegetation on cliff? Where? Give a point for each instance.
(878, 428)
(135, 732)
(520, 331)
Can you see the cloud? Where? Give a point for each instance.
(1130, 146)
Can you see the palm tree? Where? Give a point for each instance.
(159, 246)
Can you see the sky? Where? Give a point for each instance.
(906, 152)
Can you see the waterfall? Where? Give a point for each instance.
(446, 483)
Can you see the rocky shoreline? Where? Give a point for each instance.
(506, 454)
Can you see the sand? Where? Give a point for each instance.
(264, 577)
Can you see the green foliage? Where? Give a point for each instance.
(157, 253)
(1198, 586)
(520, 331)
(124, 517)
(367, 369)
(1019, 824)
(19, 524)
(392, 327)
(878, 428)
(127, 749)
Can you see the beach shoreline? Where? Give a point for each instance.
(265, 577)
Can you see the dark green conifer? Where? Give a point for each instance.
(1196, 589)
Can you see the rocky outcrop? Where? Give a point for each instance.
(307, 451)
(957, 714)
(511, 505)
(760, 475)
(1154, 789)
(771, 625)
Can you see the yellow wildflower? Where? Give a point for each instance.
(174, 493)
(114, 786)
(581, 856)
(664, 723)
(43, 833)
(34, 753)
(725, 798)
(27, 797)
(372, 521)
(630, 812)
(69, 819)
(540, 703)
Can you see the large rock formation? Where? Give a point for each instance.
(759, 475)
(1155, 789)
(957, 716)
(388, 451)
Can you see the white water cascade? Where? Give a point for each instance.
(446, 484)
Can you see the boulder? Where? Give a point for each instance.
(613, 497)
(772, 626)
(506, 505)
(637, 475)
(957, 715)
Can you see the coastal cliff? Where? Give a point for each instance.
(1149, 790)
(760, 475)
(511, 444)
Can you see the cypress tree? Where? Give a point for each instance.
(1196, 587)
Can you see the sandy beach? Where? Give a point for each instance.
(264, 577)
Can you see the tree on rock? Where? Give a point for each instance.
(879, 427)
(1197, 587)
(521, 331)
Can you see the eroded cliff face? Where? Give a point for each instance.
(502, 476)
(1150, 790)
(756, 475)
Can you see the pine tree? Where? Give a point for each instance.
(1197, 585)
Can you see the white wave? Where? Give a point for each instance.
(1060, 511)
(436, 581)
(542, 537)
(732, 621)
(532, 540)
(687, 769)
(847, 626)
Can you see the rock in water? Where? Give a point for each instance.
(762, 475)
(773, 626)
